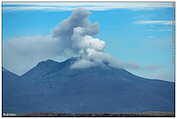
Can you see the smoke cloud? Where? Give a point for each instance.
(75, 36)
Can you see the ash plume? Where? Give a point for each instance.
(73, 37)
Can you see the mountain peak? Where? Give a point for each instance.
(52, 62)
(47, 62)
(72, 59)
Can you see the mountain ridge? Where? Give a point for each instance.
(50, 62)
(88, 90)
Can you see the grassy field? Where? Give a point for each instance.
(130, 114)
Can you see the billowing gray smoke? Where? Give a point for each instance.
(75, 36)
(72, 37)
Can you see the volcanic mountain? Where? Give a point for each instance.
(56, 87)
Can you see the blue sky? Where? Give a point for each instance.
(140, 33)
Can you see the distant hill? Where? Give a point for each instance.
(54, 87)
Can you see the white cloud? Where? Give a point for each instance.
(103, 59)
(82, 63)
(159, 22)
(96, 6)
(22, 53)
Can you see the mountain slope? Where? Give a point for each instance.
(8, 75)
(8, 84)
(55, 87)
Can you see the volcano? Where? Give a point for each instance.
(56, 87)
